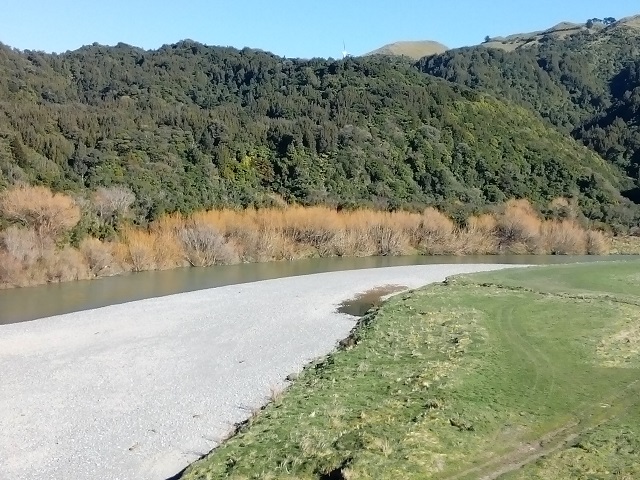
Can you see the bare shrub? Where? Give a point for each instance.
(564, 237)
(354, 243)
(112, 203)
(260, 244)
(22, 244)
(140, 257)
(204, 246)
(99, 257)
(273, 245)
(597, 243)
(49, 214)
(136, 251)
(562, 208)
(11, 272)
(436, 233)
(479, 236)
(65, 265)
(387, 240)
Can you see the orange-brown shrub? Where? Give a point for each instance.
(11, 271)
(388, 240)
(519, 228)
(65, 265)
(29, 255)
(99, 257)
(479, 237)
(262, 244)
(136, 252)
(597, 243)
(485, 223)
(167, 248)
(436, 233)
(49, 214)
(564, 237)
(22, 244)
(353, 243)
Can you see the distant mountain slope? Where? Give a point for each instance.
(585, 81)
(414, 50)
(189, 126)
(559, 31)
(519, 40)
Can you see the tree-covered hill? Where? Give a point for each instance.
(586, 83)
(190, 126)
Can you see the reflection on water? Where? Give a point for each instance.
(22, 304)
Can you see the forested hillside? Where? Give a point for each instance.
(189, 127)
(586, 84)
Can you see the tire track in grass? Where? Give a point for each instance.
(590, 417)
(510, 334)
(556, 440)
(549, 366)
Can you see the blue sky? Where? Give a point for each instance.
(287, 27)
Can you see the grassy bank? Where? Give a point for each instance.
(530, 373)
(46, 237)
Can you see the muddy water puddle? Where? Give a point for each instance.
(359, 305)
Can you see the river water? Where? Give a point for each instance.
(23, 304)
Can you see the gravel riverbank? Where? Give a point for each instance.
(138, 391)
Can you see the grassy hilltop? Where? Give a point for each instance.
(411, 49)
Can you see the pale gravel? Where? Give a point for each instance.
(139, 390)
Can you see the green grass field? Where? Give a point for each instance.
(525, 373)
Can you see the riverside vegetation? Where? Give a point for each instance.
(139, 139)
(525, 373)
(53, 237)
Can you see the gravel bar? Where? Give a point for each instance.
(139, 390)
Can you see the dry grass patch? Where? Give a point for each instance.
(204, 246)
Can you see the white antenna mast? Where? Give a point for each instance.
(345, 54)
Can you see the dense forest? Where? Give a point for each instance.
(189, 127)
(116, 158)
(586, 85)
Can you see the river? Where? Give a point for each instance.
(30, 303)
